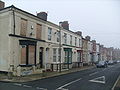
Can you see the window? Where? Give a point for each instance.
(54, 54)
(23, 29)
(70, 39)
(38, 31)
(70, 57)
(75, 41)
(78, 56)
(23, 55)
(65, 38)
(31, 54)
(58, 36)
(66, 56)
(59, 54)
(79, 43)
(49, 33)
(28, 52)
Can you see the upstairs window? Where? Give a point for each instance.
(65, 38)
(23, 29)
(75, 41)
(38, 31)
(79, 43)
(58, 36)
(70, 39)
(49, 33)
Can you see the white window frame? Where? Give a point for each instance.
(79, 42)
(58, 36)
(75, 41)
(49, 33)
(70, 39)
(54, 55)
(65, 38)
(78, 56)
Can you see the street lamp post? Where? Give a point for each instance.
(60, 46)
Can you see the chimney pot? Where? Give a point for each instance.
(2, 4)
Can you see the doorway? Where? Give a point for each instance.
(68, 56)
(41, 57)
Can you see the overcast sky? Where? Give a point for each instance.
(99, 19)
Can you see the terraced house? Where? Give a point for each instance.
(30, 44)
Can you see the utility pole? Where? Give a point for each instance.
(60, 46)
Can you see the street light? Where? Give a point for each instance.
(60, 23)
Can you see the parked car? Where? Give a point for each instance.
(101, 64)
(115, 61)
(110, 62)
(118, 61)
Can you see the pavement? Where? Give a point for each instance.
(6, 78)
(117, 84)
(85, 79)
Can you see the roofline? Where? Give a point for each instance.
(12, 6)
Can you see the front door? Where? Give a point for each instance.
(68, 56)
(78, 56)
(41, 57)
(47, 57)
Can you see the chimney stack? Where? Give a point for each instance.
(42, 15)
(78, 33)
(2, 4)
(87, 38)
(93, 41)
(65, 25)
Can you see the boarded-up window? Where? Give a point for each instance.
(23, 54)
(23, 27)
(31, 54)
(38, 31)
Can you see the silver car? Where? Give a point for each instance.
(101, 64)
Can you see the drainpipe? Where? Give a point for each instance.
(60, 45)
(13, 22)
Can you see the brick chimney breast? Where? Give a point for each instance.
(65, 25)
(88, 38)
(78, 33)
(2, 4)
(42, 15)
